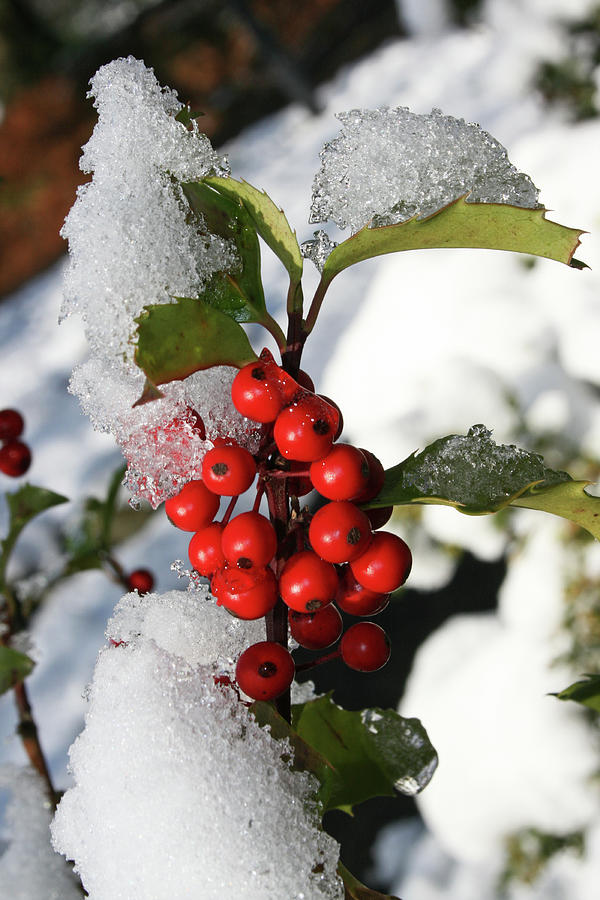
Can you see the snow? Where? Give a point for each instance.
(178, 791)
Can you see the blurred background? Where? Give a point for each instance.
(498, 612)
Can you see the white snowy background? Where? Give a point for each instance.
(411, 347)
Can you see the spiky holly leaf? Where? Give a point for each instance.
(270, 222)
(477, 476)
(491, 226)
(356, 890)
(375, 752)
(177, 339)
(586, 692)
(23, 506)
(14, 667)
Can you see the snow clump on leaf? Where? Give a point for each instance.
(388, 165)
(179, 792)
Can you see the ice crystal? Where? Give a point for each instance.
(388, 165)
(318, 249)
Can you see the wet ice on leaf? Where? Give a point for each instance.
(318, 249)
(390, 164)
(470, 469)
(178, 791)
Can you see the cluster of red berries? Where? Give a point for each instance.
(15, 455)
(317, 563)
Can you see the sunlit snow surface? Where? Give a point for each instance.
(447, 340)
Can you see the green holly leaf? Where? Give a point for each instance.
(23, 506)
(240, 292)
(270, 222)
(586, 692)
(491, 226)
(375, 752)
(477, 476)
(14, 667)
(356, 890)
(177, 339)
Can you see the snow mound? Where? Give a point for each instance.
(178, 791)
(388, 165)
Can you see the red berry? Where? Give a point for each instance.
(246, 593)
(301, 486)
(204, 551)
(15, 458)
(141, 580)
(193, 508)
(379, 516)
(341, 475)
(249, 540)
(356, 600)
(365, 647)
(228, 470)
(376, 478)
(307, 582)
(316, 630)
(265, 670)
(256, 392)
(339, 531)
(385, 564)
(11, 424)
(340, 424)
(305, 430)
(305, 381)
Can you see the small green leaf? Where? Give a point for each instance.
(177, 339)
(229, 219)
(356, 890)
(14, 667)
(568, 500)
(270, 222)
(586, 692)
(306, 758)
(375, 752)
(23, 506)
(491, 226)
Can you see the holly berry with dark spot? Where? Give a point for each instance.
(265, 670)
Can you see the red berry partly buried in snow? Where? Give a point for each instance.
(265, 670)
(365, 647)
(307, 582)
(317, 630)
(141, 580)
(15, 458)
(305, 430)
(205, 551)
(249, 540)
(339, 532)
(376, 478)
(357, 600)
(228, 470)
(11, 424)
(385, 564)
(256, 392)
(193, 508)
(246, 593)
(341, 475)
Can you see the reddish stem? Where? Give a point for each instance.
(335, 654)
(27, 730)
(229, 510)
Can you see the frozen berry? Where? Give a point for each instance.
(339, 531)
(228, 470)
(265, 670)
(341, 475)
(249, 540)
(385, 565)
(305, 430)
(376, 478)
(365, 647)
(15, 458)
(307, 582)
(316, 630)
(356, 600)
(205, 552)
(256, 393)
(246, 593)
(193, 508)
(11, 424)
(141, 580)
